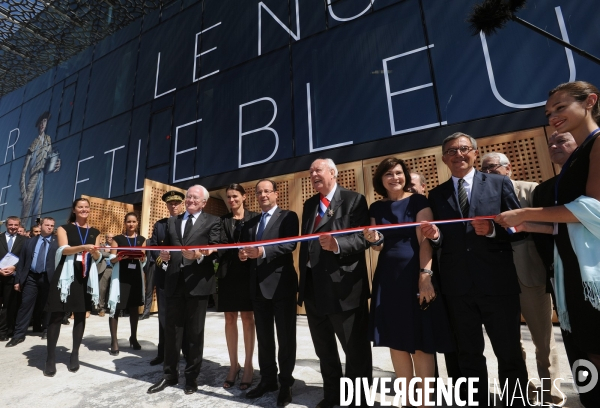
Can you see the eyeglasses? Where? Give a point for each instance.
(194, 198)
(463, 150)
(491, 167)
(261, 192)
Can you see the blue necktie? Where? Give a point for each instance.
(261, 226)
(40, 263)
(10, 242)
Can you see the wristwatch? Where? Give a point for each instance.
(427, 271)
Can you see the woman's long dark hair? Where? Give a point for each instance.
(73, 217)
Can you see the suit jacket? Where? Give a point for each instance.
(530, 268)
(469, 261)
(275, 274)
(229, 257)
(159, 234)
(340, 280)
(26, 258)
(16, 248)
(199, 277)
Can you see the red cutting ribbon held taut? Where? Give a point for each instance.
(300, 238)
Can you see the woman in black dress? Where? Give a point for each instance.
(572, 107)
(234, 288)
(131, 284)
(404, 315)
(79, 241)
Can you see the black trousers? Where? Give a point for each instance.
(149, 286)
(189, 312)
(282, 312)
(351, 328)
(501, 317)
(8, 306)
(35, 291)
(161, 299)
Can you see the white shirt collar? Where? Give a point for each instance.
(186, 215)
(332, 192)
(271, 211)
(468, 178)
(8, 235)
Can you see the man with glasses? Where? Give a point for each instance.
(273, 288)
(536, 301)
(189, 279)
(479, 279)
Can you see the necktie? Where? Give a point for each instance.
(188, 227)
(323, 205)
(463, 201)
(10, 242)
(261, 226)
(40, 264)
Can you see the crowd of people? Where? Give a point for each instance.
(435, 288)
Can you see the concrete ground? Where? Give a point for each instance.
(122, 381)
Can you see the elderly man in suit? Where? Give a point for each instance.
(333, 279)
(173, 200)
(11, 242)
(479, 279)
(536, 301)
(34, 273)
(189, 279)
(273, 288)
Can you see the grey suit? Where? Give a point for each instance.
(187, 286)
(536, 303)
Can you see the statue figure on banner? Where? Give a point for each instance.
(40, 160)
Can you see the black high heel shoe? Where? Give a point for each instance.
(50, 369)
(134, 344)
(113, 352)
(74, 363)
(228, 384)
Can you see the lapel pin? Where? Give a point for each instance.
(330, 212)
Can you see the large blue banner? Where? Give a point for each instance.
(201, 89)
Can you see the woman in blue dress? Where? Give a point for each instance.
(404, 315)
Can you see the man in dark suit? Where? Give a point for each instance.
(479, 279)
(273, 288)
(173, 200)
(189, 279)
(33, 276)
(333, 280)
(11, 242)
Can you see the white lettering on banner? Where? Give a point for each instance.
(156, 82)
(385, 389)
(415, 88)
(330, 7)
(177, 153)
(311, 148)
(77, 181)
(490, 69)
(196, 55)
(295, 36)
(137, 168)
(427, 392)
(2, 191)
(111, 166)
(266, 127)
(12, 146)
